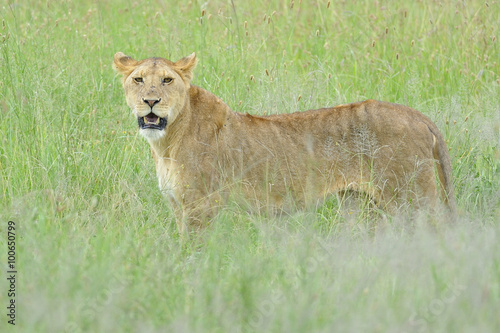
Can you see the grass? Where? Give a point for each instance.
(97, 246)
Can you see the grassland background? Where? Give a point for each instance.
(97, 247)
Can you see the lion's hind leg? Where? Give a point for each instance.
(357, 206)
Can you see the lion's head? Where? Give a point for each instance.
(155, 90)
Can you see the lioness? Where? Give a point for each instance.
(204, 151)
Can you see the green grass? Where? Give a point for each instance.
(98, 250)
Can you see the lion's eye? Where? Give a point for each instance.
(138, 79)
(167, 80)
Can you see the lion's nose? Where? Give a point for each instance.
(151, 102)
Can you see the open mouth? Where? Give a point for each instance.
(152, 121)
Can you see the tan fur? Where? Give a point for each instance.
(207, 152)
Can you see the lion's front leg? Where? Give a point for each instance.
(196, 211)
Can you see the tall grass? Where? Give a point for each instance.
(97, 246)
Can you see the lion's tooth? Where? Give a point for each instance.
(157, 121)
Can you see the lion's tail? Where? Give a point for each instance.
(440, 152)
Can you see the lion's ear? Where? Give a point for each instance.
(124, 64)
(186, 66)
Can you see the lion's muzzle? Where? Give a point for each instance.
(152, 121)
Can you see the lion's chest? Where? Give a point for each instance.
(166, 185)
(167, 178)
